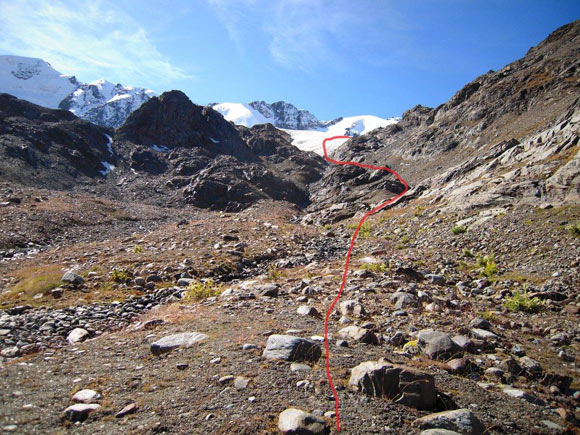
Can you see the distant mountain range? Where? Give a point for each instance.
(100, 102)
(109, 105)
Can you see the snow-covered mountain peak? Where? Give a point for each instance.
(34, 80)
(100, 101)
(306, 130)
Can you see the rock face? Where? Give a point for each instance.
(104, 103)
(491, 126)
(171, 342)
(285, 115)
(169, 152)
(291, 348)
(49, 148)
(403, 384)
(294, 421)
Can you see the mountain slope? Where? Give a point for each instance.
(101, 102)
(500, 140)
(169, 152)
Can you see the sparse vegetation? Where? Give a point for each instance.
(488, 265)
(405, 239)
(523, 302)
(365, 229)
(137, 249)
(487, 315)
(467, 253)
(274, 273)
(33, 281)
(375, 267)
(574, 230)
(201, 290)
(120, 275)
(459, 229)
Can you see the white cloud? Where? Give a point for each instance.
(308, 34)
(89, 38)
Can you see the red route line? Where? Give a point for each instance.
(352, 242)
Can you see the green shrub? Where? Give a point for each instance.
(405, 239)
(200, 291)
(365, 229)
(137, 249)
(523, 302)
(467, 253)
(487, 262)
(120, 275)
(574, 230)
(375, 267)
(459, 229)
(274, 273)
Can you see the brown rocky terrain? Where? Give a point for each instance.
(151, 300)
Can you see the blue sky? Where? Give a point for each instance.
(332, 57)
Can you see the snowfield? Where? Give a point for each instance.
(306, 140)
(242, 114)
(311, 140)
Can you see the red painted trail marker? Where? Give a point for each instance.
(352, 242)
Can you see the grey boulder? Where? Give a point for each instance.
(290, 348)
(458, 420)
(171, 342)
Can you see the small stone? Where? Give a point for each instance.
(72, 278)
(306, 310)
(297, 367)
(182, 366)
(483, 334)
(171, 342)
(80, 411)
(295, 421)
(352, 308)
(480, 324)
(226, 379)
(565, 357)
(57, 292)
(77, 335)
(517, 350)
(519, 394)
(129, 409)
(249, 346)
(215, 360)
(437, 344)
(241, 382)
(86, 396)
(10, 428)
(341, 343)
(359, 334)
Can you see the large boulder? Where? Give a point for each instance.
(171, 342)
(402, 384)
(290, 348)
